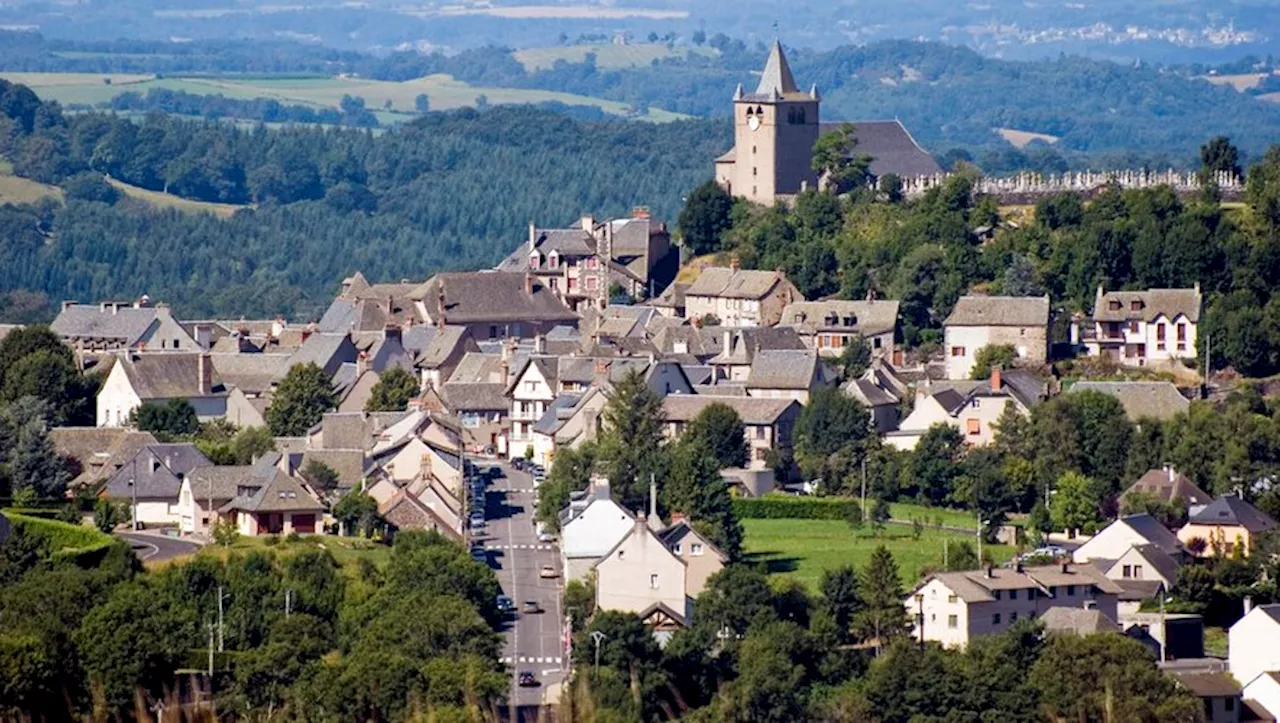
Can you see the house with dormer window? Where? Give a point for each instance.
(1142, 328)
(830, 326)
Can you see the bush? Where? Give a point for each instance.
(76, 544)
(271, 540)
(293, 537)
(799, 508)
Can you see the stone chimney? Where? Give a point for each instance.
(162, 311)
(677, 517)
(1248, 604)
(727, 343)
(307, 331)
(362, 363)
(143, 302)
(277, 327)
(996, 381)
(734, 263)
(204, 374)
(1168, 469)
(599, 372)
(539, 344)
(440, 306)
(533, 236)
(528, 283)
(588, 223)
(599, 487)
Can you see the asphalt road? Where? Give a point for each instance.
(151, 547)
(534, 641)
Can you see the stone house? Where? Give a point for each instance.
(768, 424)
(640, 571)
(786, 374)
(702, 558)
(734, 356)
(494, 304)
(1160, 401)
(952, 608)
(830, 326)
(974, 408)
(119, 326)
(981, 321)
(1167, 485)
(739, 297)
(1140, 328)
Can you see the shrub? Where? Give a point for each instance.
(805, 508)
(65, 542)
(271, 540)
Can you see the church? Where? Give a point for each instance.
(775, 127)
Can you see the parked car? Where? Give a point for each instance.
(548, 571)
(479, 555)
(527, 679)
(477, 520)
(545, 536)
(495, 472)
(518, 463)
(505, 604)
(531, 606)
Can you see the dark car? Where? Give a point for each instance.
(495, 472)
(527, 679)
(479, 555)
(518, 463)
(531, 606)
(505, 604)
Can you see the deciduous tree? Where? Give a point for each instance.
(393, 392)
(300, 401)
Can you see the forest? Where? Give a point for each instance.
(449, 191)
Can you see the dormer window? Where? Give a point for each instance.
(535, 260)
(832, 319)
(1114, 305)
(553, 260)
(1135, 305)
(851, 320)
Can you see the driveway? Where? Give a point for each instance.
(534, 641)
(154, 547)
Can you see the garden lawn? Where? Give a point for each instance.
(348, 551)
(803, 549)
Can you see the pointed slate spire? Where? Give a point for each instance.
(737, 94)
(776, 77)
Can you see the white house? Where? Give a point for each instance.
(590, 532)
(952, 608)
(1138, 328)
(1127, 532)
(532, 389)
(136, 379)
(980, 321)
(151, 481)
(1253, 655)
(640, 572)
(974, 408)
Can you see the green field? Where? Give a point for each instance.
(906, 512)
(608, 55)
(348, 551)
(444, 91)
(22, 190)
(803, 549)
(160, 199)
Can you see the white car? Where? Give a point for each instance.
(548, 571)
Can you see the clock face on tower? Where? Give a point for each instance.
(753, 122)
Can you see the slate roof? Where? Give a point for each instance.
(441, 345)
(1153, 532)
(117, 322)
(222, 483)
(1078, 621)
(167, 375)
(724, 282)
(1000, 311)
(671, 298)
(481, 296)
(156, 471)
(744, 344)
(784, 369)
(474, 397)
(868, 318)
(868, 393)
(557, 412)
(348, 463)
(281, 493)
(250, 373)
(1141, 400)
(1153, 303)
(1231, 510)
(976, 586)
(1138, 590)
(1168, 484)
(891, 147)
(320, 349)
(676, 532)
(99, 451)
(752, 410)
(1159, 560)
(1208, 685)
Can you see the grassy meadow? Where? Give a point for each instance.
(803, 549)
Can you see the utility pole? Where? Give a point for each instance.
(864, 489)
(211, 659)
(220, 648)
(133, 492)
(288, 598)
(598, 637)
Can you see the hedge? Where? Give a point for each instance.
(800, 508)
(65, 542)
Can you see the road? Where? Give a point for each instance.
(152, 547)
(534, 641)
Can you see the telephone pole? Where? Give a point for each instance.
(220, 640)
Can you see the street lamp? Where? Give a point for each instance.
(598, 637)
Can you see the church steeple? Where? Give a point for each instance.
(776, 77)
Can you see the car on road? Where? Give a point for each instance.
(545, 536)
(479, 555)
(505, 604)
(527, 679)
(495, 472)
(477, 520)
(518, 463)
(1047, 551)
(531, 607)
(548, 571)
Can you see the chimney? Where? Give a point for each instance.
(533, 236)
(440, 305)
(653, 498)
(988, 572)
(677, 517)
(162, 311)
(995, 379)
(1017, 565)
(204, 374)
(243, 343)
(528, 283)
(68, 303)
(600, 487)
(726, 347)
(362, 363)
(504, 369)
(277, 327)
(599, 372)
(1169, 469)
(143, 302)
(539, 344)
(308, 331)
(1066, 568)
(734, 263)
(1248, 604)
(588, 223)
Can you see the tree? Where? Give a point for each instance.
(89, 186)
(421, 103)
(1076, 502)
(882, 617)
(320, 476)
(992, 356)
(225, 532)
(393, 392)
(705, 217)
(773, 672)
(699, 37)
(35, 468)
(107, 515)
(1219, 155)
(718, 429)
(831, 435)
(166, 420)
(855, 358)
(840, 598)
(630, 445)
(695, 487)
(251, 443)
(300, 401)
(837, 162)
(933, 467)
(357, 512)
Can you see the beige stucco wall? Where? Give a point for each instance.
(1032, 343)
(639, 573)
(1230, 535)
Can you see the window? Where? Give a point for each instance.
(695, 548)
(1229, 704)
(1133, 327)
(592, 283)
(973, 426)
(1127, 572)
(1137, 572)
(875, 343)
(1182, 332)
(951, 598)
(553, 260)
(995, 618)
(1159, 332)
(593, 263)
(653, 582)
(676, 548)
(533, 261)
(753, 170)
(1114, 305)
(953, 621)
(1071, 590)
(1013, 617)
(1053, 591)
(957, 351)
(1013, 594)
(1135, 305)
(761, 431)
